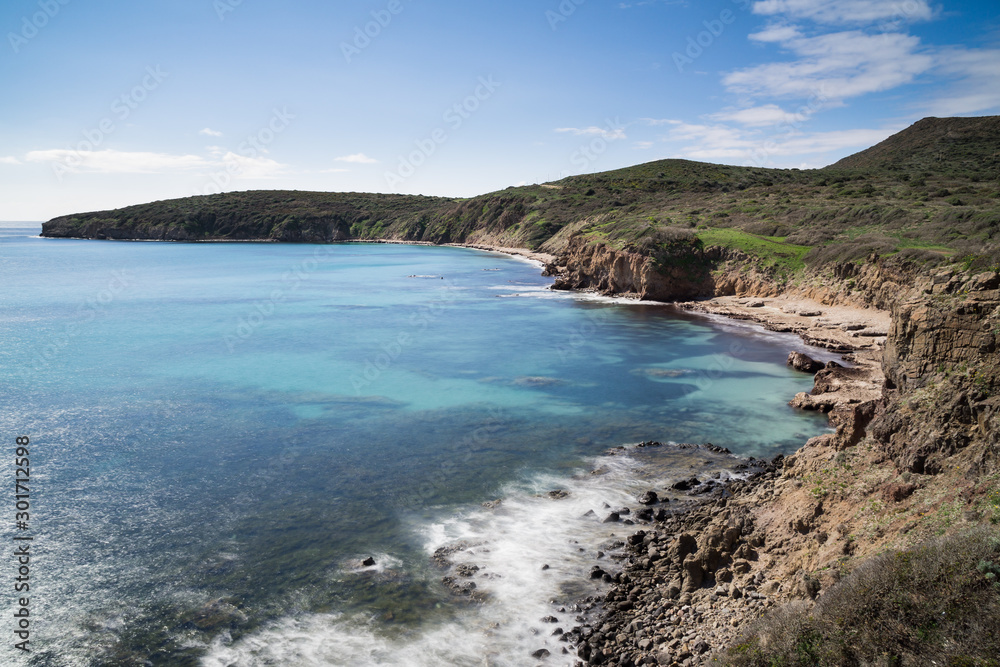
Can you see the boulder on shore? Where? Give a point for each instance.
(803, 362)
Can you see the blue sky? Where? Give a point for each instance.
(110, 103)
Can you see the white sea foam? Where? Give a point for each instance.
(542, 292)
(533, 551)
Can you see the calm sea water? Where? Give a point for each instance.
(221, 433)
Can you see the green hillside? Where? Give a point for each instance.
(929, 194)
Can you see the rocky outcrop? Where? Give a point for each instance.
(686, 273)
(803, 362)
(595, 266)
(942, 375)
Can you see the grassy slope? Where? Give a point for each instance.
(930, 194)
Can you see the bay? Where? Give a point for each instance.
(222, 433)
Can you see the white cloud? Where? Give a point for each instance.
(975, 82)
(253, 167)
(610, 133)
(847, 11)
(835, 66)
(209, 132)
(334, 171)
(776, 33)
(139, 162)
(9, 160)
(357, 158)
(721, 142)
(762, 116)
(642, 145)
(119, 162)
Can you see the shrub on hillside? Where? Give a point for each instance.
(937, 603)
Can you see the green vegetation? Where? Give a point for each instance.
(938, 603)
(774, 253)
(928, 195)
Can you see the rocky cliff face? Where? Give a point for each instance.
(940, 359)
(592, 265)
(942, 375)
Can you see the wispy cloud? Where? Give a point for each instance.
(254, 167)
(735, 145)
(141, 162)
(357, 158)
(846, 11)
(974, 78)
(835, 66)
(9, 160)
(209, 132)
(762, 116)
(334, 171)
(609, 133)
(119, 162)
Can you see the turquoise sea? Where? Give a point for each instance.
(221, 434)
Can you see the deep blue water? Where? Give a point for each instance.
(221, 432)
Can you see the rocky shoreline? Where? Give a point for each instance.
(690, 581)
(694, 580)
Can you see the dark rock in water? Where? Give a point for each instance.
(832, 364)
(648, 498)
(545, 567)
(625, 510)
(590, 513)
(368, 562)
(550, 619)
(645, 514)
(596, 572)
(541, 653)
(686, 484)
(558, 494)
(804, 363)
(466, 570)
(613, 518)
(661, 515)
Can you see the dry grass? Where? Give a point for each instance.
(937, 603)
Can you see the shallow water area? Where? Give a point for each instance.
(223, 433)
